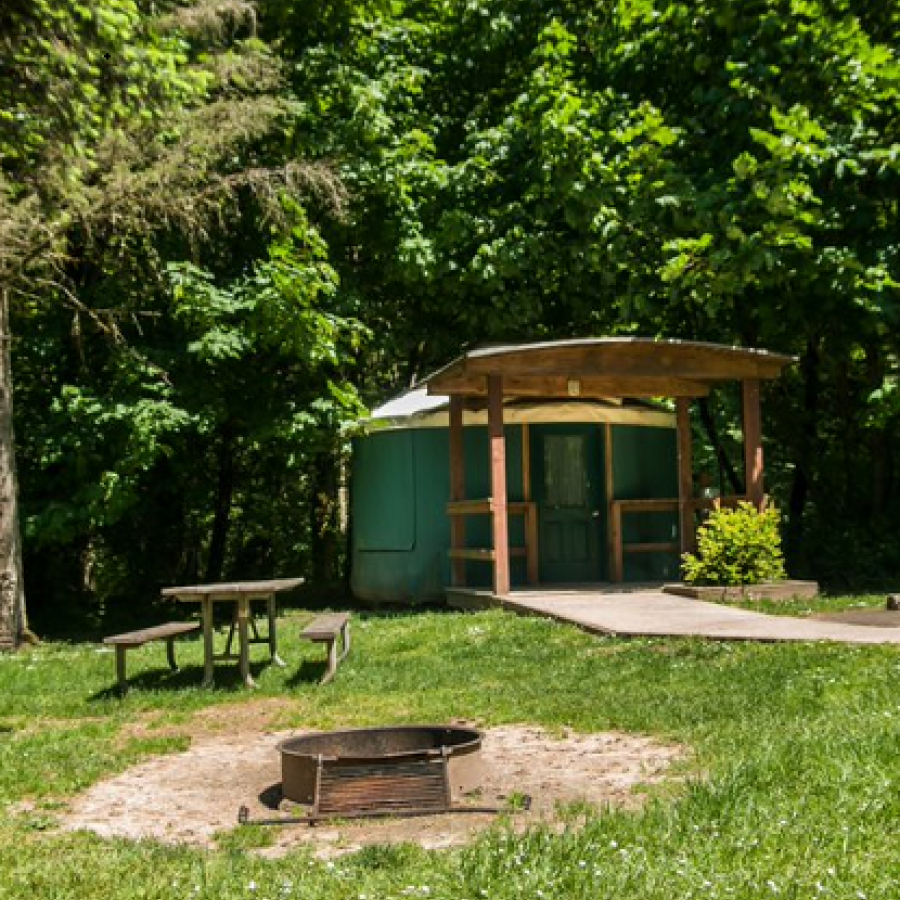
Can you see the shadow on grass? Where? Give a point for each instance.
(65, 625)
(309, 671)
(186, 678)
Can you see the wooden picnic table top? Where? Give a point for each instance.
(229, 590)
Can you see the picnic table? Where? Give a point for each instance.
(240, 594)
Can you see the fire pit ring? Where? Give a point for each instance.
(379, 770)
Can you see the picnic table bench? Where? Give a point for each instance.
(327, 629)
(168, 631)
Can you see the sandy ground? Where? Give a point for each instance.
(191, 797)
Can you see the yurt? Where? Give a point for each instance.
(565, 459)
(562, 462)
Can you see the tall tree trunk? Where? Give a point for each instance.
(809, 366)
(879, 442)
(712, 432)
(325, 526)
(13, 624)
(224, 495)
(880, 472)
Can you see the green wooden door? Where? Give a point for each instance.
(568, 486)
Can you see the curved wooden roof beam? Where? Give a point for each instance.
(598, 367)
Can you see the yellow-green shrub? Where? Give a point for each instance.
(736, 546)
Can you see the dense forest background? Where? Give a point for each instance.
(227, 228)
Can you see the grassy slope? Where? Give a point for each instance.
(798, 744)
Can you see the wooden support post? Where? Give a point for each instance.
(170, 653)
(243, 627)
(531, 523)
(121, 650)
(532, 546)
(526, 462)
(499, 521)
(613, 518)
(617, 573)
(753, 451)
(206, 612)
(457, 488)
(332, 661)
(685, 475)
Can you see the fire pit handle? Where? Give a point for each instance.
(313, 820)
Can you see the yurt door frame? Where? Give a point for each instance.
(567, 471)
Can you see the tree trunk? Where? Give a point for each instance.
(880, 470)
(325, 519)
(806, 440)
(879, 441)
(224, 496)
(13, 624)
(725, 464)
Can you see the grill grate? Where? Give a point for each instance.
(418, 785)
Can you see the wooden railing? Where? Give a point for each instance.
(488, 554)
(620, 508)
(618, 547)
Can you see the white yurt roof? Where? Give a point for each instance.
(416, 408)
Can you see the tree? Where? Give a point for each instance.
(119, 126)
(725, 171)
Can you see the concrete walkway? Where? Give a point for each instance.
(651, 612)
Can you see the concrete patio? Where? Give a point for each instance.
(644, 611)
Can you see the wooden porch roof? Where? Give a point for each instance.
(605, 367)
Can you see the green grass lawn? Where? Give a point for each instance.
(806, 606)
(793, 787)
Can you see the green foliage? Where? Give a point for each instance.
(712, 170)
(502, 170)
(182, 342)
(83, 70)
(201, 430)
(737, 546)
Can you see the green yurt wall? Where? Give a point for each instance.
(400, 532)
(400, 485)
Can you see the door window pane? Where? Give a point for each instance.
(565, 471)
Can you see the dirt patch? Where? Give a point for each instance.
(227, 718)
(189, 797)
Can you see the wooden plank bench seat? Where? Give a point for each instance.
(327, 629)
(168, 631)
